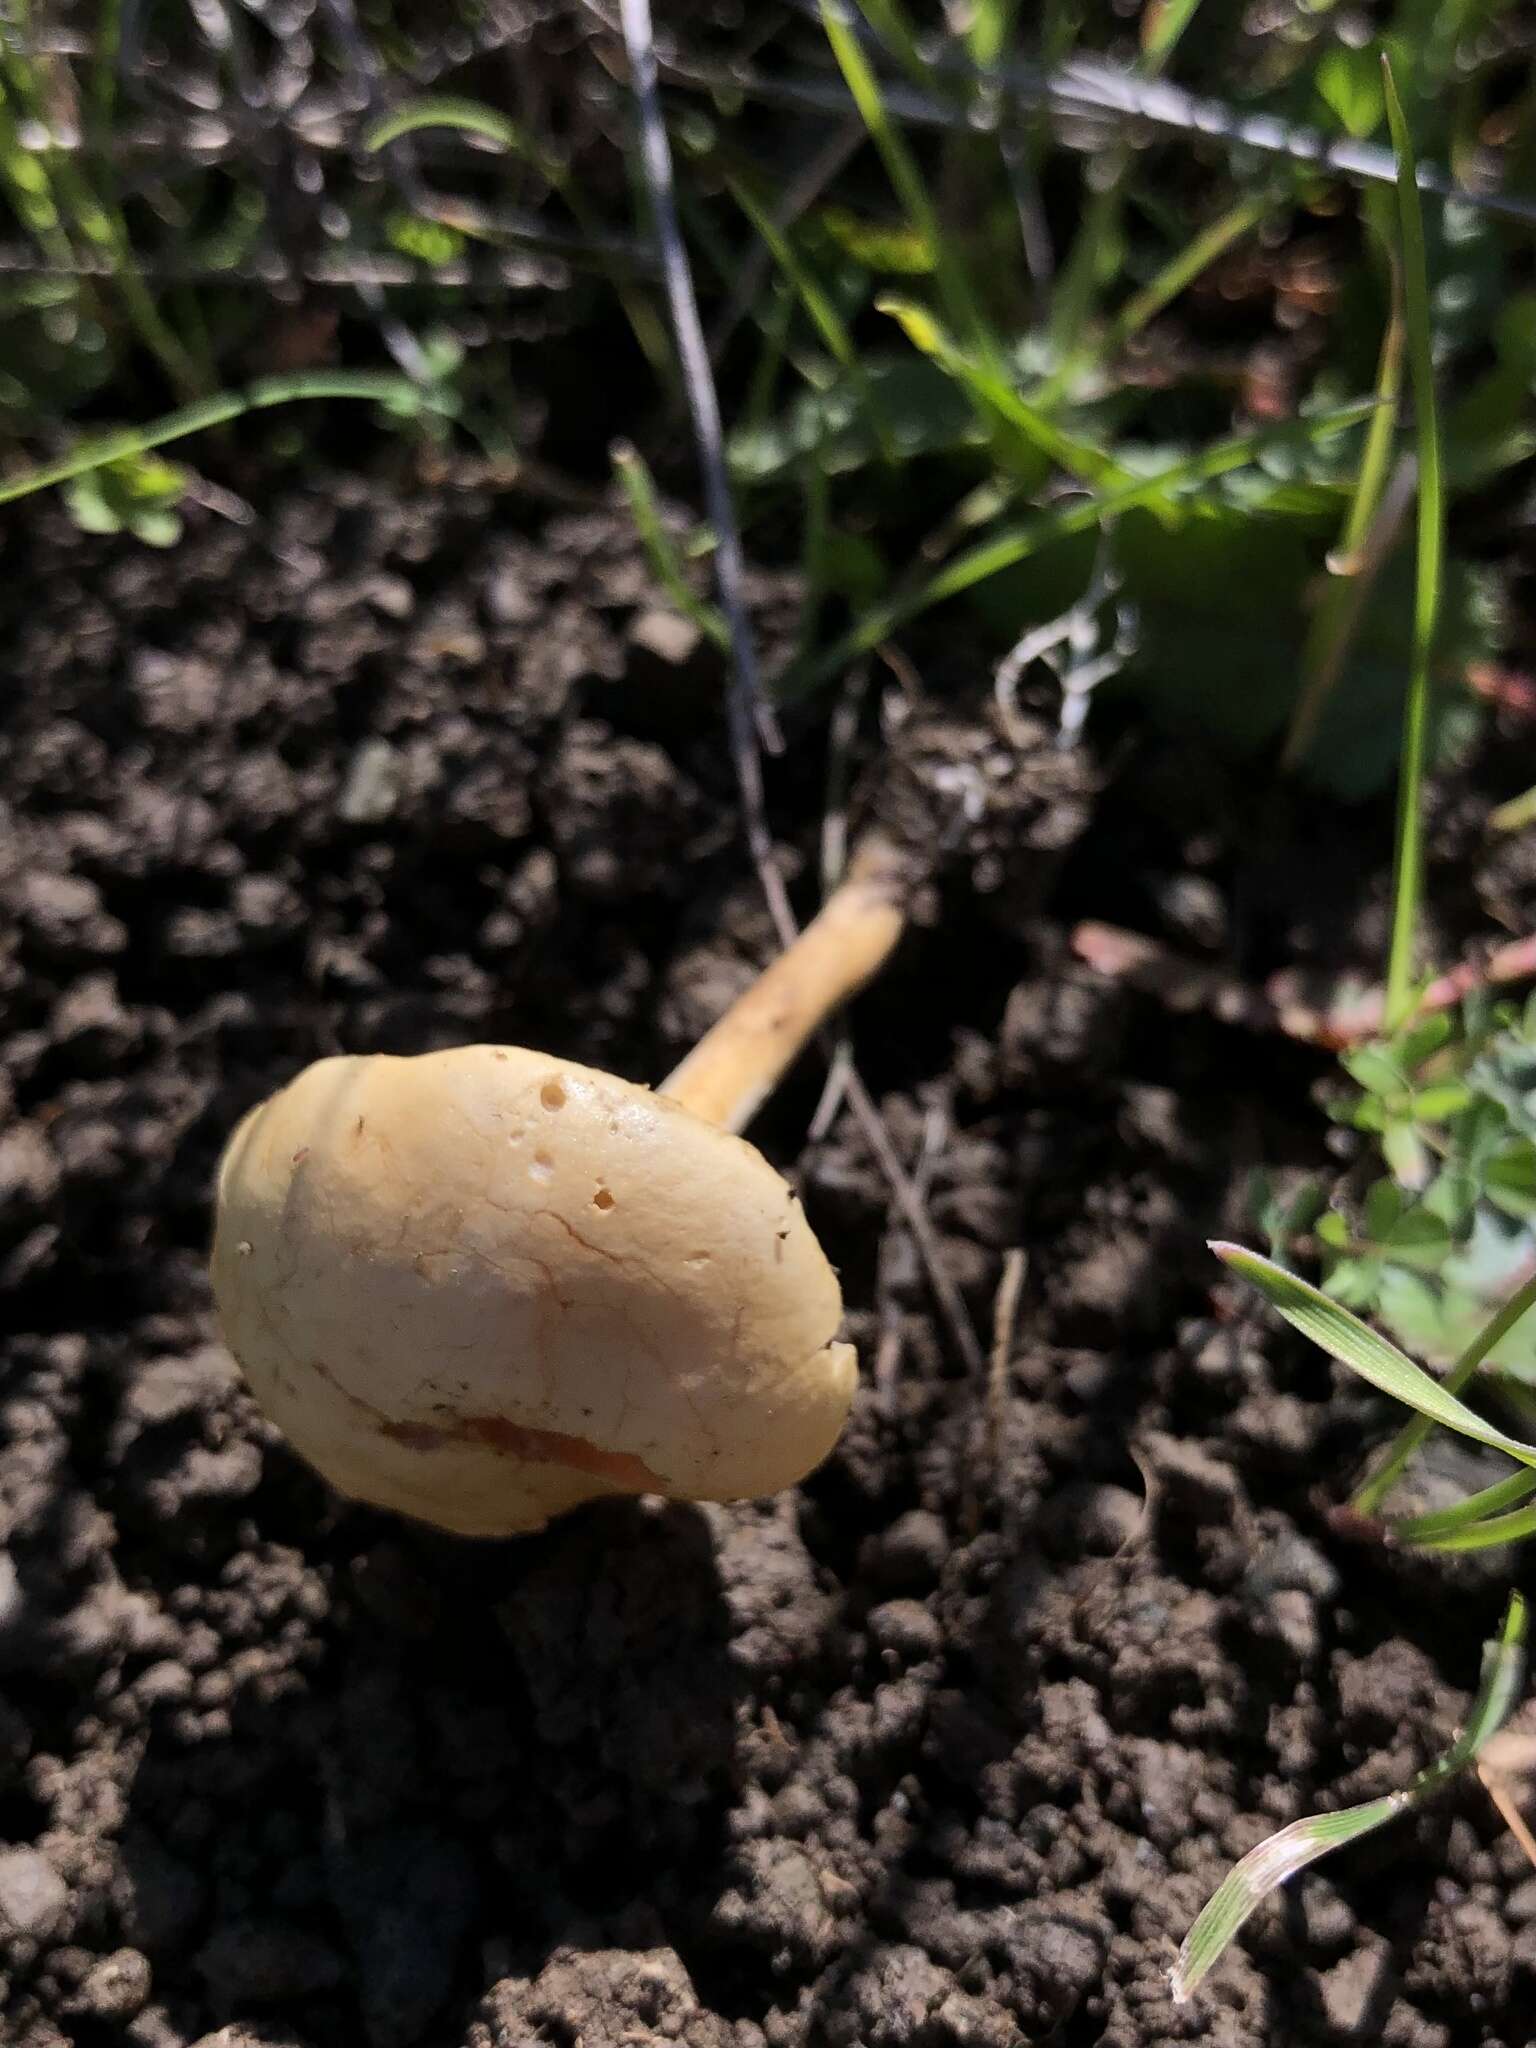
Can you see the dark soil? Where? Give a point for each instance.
(948, 1746)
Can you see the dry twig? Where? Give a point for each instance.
(748, 722)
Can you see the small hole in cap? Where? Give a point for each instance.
(603, 1199)
(552, 1095)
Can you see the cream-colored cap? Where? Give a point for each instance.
(482, 1286)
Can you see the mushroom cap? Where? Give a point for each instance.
(481, 1286)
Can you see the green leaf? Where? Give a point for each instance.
(1348, 82)
(1419, 1238)
(639, 488)
(1510, 1180)
(158, 529)
(1364, 1350)
(1384, 1205)
(1008, 545)
(1375, 1068)
(1416, 1314)
(1408, 857)
(424, 241)
(876, 245)
(1285, 1215)
(1356, 1282)
(1421, 1039)
(89, 508)
(1488, 1534)
(1404, 1151)
(96, 452)
(471, 117)
(1333, 1227)
(1079, 458)
(951, 275)
(1452, 1521)
(1264, 1869)
(920, 409)
(852, 566)
(1452, 1196)
(1436, 1105)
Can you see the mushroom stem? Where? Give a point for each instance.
(738, 1062)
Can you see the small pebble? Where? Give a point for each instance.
(32, 1894)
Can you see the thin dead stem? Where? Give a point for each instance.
(1005, 1322)
(888, 1351)
(748, 723)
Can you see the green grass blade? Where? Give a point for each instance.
(1376, 457)
(1488, 1534)
(471, 117)
(1017, 543)
(1168, 24)
(906, 178)
(1068, 451)
(1413, 1530)
(1515, 815)
(890, 24)
(1264, 1869)
(639, 487)
(1099, 229)
(1081, 354)
(1408, 865)
(1361, 551)
(1413, 1433)
(826, 319)
(399, 393)
(1355, 1344)
(1503, 1678)
(1182, 270)
(988, 29)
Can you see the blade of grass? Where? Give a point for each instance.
(906, 178)
(661, 550)
(1489, 1534)
(889, 22)
(1100, 226)
(398, 393)
(1380, 1483)
(1364, 1350)
(1264, 1869)
(97, 219)
(473, 117)
(1337, 618)
(1183, 269)
(987, 30)
(1376, 458)
(1515, 815)
(1017, 543)
(1416, 1530)
(1363, 545)
(826, 319)
(1166, 24)
(470, 117)
(1068, 451)
(1180, 271)
(1408, 865)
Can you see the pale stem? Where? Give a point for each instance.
(739, 1061)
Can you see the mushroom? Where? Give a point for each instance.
(482, 1286)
